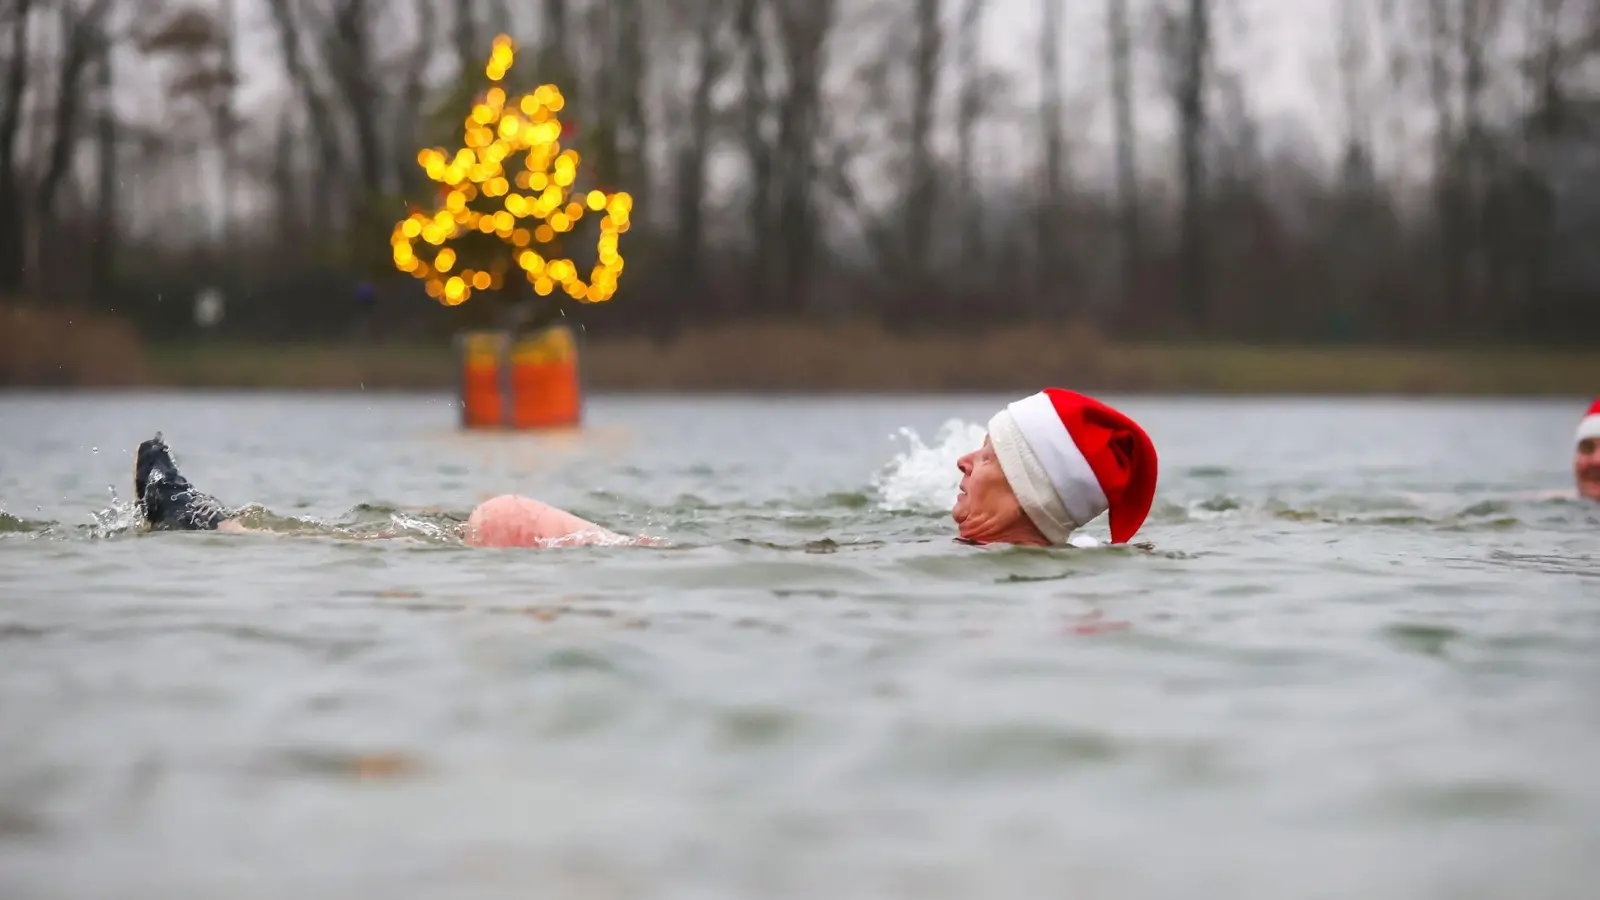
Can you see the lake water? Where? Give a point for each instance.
(1352, 663)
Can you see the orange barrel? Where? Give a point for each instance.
(544, 380)
(483, 395)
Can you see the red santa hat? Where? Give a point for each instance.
(1070, 458)
(1589, 425)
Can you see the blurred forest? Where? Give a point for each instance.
(823, 160)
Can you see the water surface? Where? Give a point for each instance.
(1352, 660)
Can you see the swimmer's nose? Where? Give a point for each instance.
(965, 464)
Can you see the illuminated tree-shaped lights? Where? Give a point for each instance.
(511, 170)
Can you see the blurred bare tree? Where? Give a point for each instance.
(838, 158)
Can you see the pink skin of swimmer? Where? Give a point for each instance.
(513, 521)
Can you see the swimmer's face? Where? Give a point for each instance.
(986, 509)
(1586, 468)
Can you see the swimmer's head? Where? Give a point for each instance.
(987, 510)
(1586, 462)
(1050, 464)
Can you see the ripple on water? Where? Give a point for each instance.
(742, 573)
(10, 524)
(816, 691)
(1011, 750)
(340, 763)
(755, 727)
(18, 631)
(1428, 640)
(1468, 799)
(1033, 579)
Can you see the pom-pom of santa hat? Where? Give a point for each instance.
(1069, 458)
(1589, 425)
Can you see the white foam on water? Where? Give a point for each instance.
(404, 524)
(114, 520)
(924, 476)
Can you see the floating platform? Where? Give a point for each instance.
(519, 381)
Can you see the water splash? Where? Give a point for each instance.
(404, 525)
(115, 519)
(924, 476)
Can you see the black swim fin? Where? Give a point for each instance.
(166, 499)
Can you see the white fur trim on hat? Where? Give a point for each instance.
(1588, 428)
(1074, 481)
(1028, 479)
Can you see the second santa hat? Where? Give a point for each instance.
(1069, 458)
(1589, 425)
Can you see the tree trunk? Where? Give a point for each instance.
(102, 265)
(758, 152)
(920, 197)
(1473, 149)
(1192, 109)
(1123, 125)
(602, 136)
(1480, 23)
(352, 65)
(554, 64)
(1352, 68)
(469, 49)
(1545, 67)
(969, 110)
(82, 34)
(1445, 169)
(632, 74)
(13, 218)
(1048, 245)
(409, 177)
(227, 128)
(692, 161)
(291, 215)
(805, 25)
(329, 166)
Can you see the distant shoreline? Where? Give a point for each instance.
(815, 359)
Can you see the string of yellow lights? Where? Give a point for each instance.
(488, 190)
